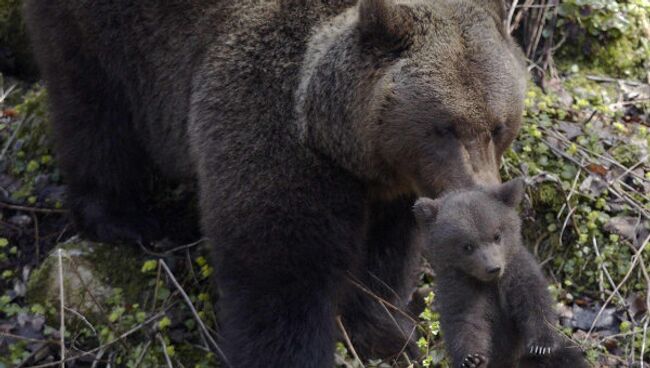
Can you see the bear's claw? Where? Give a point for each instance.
(474, 361)
(539, 350)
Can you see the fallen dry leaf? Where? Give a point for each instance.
(9, 112)
(597, 169)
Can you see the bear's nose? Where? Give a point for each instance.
(493, 270)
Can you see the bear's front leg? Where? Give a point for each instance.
(284, 237)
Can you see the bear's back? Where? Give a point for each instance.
(152, 51)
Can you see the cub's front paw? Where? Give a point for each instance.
(474, 361)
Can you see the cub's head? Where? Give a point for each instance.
(473, 231)
(432, 89)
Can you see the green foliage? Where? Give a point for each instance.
(27, 147)
(612, 36)
(430, 342)
(541, 150)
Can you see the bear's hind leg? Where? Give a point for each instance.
(103, 162)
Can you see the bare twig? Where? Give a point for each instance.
(195, 313)
(645, 324)
(16, 207)
(4, 93)
(351, 279)
(61, 308)
(86, 289)
(511, 14)
(515, 23)
(142, 354)
(186, 246)
(635, 260)
(643, 160)
(605, 270)
(348, 342)
(98, 358)
(164, 349)
(13, 137)
(80, 316)
(385, 285)
(92, 351)
(155, 291)
(37, 237)
(32, 355)
(645, 334)
(18, 337)
(597, 78)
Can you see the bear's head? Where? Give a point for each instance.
(475, 232)
(417, 96)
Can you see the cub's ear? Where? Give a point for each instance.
(426, 211)
(511, 193)
(385, 25)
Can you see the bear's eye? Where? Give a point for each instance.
(497, 237)
(497, 130)
(445, 131)
(468, 247)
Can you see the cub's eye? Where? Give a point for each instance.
(497, 237)
(468, 247)
(497, 130)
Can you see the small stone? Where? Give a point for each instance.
(21, 220)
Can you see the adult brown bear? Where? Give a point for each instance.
(309, 126)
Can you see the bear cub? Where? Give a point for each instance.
(495, 309)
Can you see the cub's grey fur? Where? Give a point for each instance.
(495, 309)
(309, 126)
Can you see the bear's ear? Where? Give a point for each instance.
(511, 193)
(385, 25)
(426, 210)
(497, 8)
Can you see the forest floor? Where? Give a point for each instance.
(583, 149)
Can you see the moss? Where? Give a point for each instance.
(99, 269)
(37, 285)
(119, 266)
(611, 36)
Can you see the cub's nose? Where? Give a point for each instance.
(494, 270)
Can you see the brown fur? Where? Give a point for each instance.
(309, 126)
(495, 309)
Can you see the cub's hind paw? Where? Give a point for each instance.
(474, 361)
(539, 350)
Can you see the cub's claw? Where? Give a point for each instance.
(474, 361)
(539, 350)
